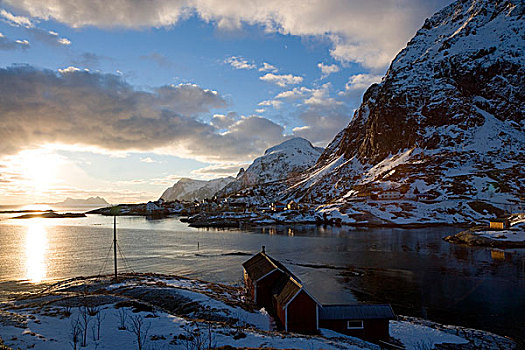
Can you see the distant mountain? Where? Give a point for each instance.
(189, 189)
(447, 119)
(77, 202)
(277, 167)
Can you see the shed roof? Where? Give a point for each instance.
(499, 220)
(286, 289)
(258, 266)
(261, 264)
(356, 312)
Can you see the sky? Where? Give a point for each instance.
(122, 98)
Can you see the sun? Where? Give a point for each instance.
(40, 168)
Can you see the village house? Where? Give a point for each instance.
(499, 224)
(389, 194)
(277, 206)
(365, 321)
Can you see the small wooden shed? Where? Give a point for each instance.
(296, 309)
(499, 224)
(261, 272)
(365, 321)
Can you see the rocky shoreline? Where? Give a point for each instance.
(471, 238)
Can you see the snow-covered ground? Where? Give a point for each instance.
(415, 336)
(178, 313)
(516, 233)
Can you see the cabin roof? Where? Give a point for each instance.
(286, 289)
(356, 312)
(261, 264)
(499, 220)
(258, 266)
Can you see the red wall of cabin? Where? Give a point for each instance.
(264, 290)
(302, 314)
(373, 329)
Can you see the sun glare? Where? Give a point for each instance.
(40, 168)
(36, 251)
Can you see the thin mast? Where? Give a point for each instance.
(115, 243)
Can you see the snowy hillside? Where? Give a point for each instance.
(189, 189)
(447, 120)
(280, 163)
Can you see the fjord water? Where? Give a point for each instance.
(412, 269)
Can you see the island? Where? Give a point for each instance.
(50, 215)
(508, 232)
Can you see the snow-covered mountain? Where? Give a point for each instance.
(279, 164)
(447, 119)
(189, 189)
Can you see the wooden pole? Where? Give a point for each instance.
(115, 244)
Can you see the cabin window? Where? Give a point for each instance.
(355, 324)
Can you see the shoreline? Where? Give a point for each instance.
(470, 238)
(164, 301)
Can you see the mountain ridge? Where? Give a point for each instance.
(270, 173)
(187, 189)
(447, 119)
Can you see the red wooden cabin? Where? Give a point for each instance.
(296, 309)
(365, 321)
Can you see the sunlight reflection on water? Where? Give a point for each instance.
(36, 251)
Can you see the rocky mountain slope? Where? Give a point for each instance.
(189, 189)
(277, 168)
(447, 119)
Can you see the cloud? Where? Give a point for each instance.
(282, 79)
(239, 63)
(266, 67)
(274, 103)
(294, 94)
(322, 116)
(64, 41)
(103, 112)
(69, 69)
(224, 121)
(321, 97)
(362, 81)
(327, 69)
(219, 170)
(322, 122)
(367, 32)
(15, 20)
(357, 85)
(79, 107)
(147, 160)
(7, 44)
(48, 37)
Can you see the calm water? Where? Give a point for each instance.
(414, 270)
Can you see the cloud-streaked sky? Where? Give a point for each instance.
(122, 98)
